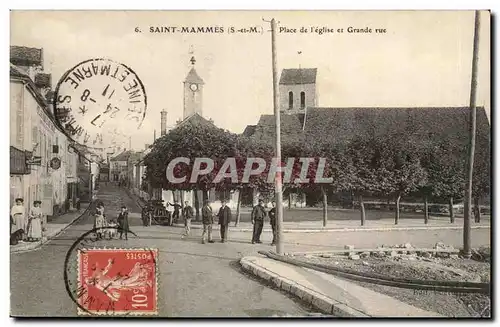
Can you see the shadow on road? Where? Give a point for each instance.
(198, 255)
(265, 312)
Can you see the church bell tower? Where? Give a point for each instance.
(193, 92)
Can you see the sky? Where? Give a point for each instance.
(423, 59)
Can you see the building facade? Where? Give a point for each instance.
(193, 114)
(43, 162)
(297, 90)
(423, 127)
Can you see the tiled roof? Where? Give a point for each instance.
(26, 56)
(421, 126)
(127, 155)
(298, 76)
(249, 130)
(195, 119)
(193, 77)
(122, 156)
(16, 71)
(291, 128)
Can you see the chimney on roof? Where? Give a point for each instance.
(147, 146)
(163, 129)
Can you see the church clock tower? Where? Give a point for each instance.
(193, 92)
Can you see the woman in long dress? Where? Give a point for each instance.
(100, 224)
(137, 278)
(18, 214)
(34, 229)
(99, 220)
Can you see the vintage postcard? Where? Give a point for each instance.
(250, 164)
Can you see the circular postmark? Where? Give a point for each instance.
(98, 289)
(99, 101)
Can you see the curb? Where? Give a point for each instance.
(320, 301)
(347, 229)
(35, 245)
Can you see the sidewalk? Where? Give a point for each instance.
(349, 225)
(53, 228)
(330, 294)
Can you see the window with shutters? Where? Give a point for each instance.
(20, 126)
(35, 137)
(43, 148)
(49, 147)
(290, 100)
(302, 100)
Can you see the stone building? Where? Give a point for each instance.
(192, 114)
(297, 90)
(423, 126)
(42, 163)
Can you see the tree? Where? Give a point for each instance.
(354, 171)
(425, 191)
(191, 140)
(481, 179)
(320, 155)
(446, 171)
(249, 148)
(398, 171)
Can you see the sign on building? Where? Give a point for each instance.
(18, 162)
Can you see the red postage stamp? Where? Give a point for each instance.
(117, 282)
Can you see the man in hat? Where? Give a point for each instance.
(272, 218)
(224, 220)
(188, 214)
(207, 219)
(123, 226)
(177, 207)
(258, 215)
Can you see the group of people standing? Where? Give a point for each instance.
(26, 227)
(224, 216)
(207, 215)
(259, 214)
(103, 227)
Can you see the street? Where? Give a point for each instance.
(195, 279)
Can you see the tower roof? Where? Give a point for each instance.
(193, 77)
(298, 76)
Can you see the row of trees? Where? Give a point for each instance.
(386, 167)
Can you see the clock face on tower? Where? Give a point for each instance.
(193, 87)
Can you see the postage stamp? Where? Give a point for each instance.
(117, 282)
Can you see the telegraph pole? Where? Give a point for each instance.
(472, 140)
(278, 187)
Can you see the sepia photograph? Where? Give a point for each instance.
(250, 164)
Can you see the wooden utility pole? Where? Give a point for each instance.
(472, 140)
(278, 186)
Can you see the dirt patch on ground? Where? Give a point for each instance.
(451, 305)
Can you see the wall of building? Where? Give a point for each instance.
(310, 93)
(47, 184)
(118, 168)
(192, 100)
(33, 130)
(17, 138)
